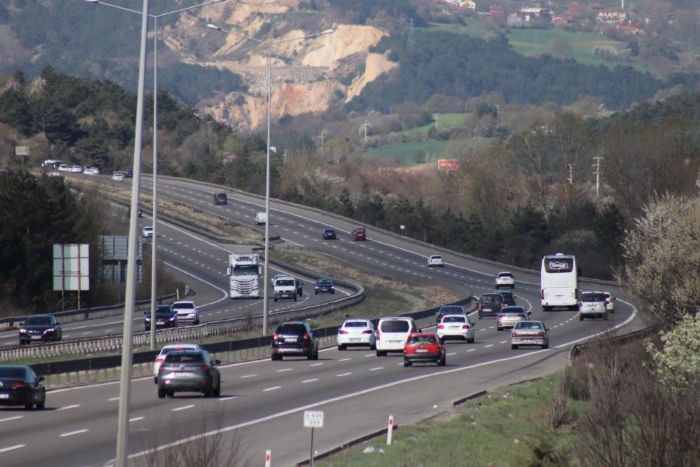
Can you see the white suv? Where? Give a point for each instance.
(186, 311)
(435, 260)
(592, 305)
(505, 279)
(392, 333)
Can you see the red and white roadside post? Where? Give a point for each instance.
(389, 430)
(268, 458)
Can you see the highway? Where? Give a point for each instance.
(262, 402)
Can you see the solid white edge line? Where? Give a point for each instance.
(12, 448)
(172, 266)
(9, 419)
(608, 330)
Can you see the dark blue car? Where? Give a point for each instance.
(328, 233)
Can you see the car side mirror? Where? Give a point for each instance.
(217, 362)
(57, 323)
(40, 379)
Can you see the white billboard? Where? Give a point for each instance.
(71, 267)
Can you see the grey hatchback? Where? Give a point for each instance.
(189, 371)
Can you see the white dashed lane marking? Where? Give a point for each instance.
(73, 433)
(309, 380)
(273, 388)
(184, 407)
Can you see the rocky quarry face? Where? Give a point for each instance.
(306, 74)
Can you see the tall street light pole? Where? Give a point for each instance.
(266, 305)
(154, 192)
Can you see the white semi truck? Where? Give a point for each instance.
(244, 273)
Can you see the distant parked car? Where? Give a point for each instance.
(329, 233)
(354, 332)
(435, 260)
(529, 333)
(359, 234)
(424, 347)
(40, 328)
(505, 279)
(294, 338)
(19, 385)
(186, 311)
(189, 371)
(166, 317)
(324, 286)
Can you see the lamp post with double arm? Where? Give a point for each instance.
(269, 44)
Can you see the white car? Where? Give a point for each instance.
(505, 279)
(118, 177)
(392, 333)
(186, 311)
(356, 332)
(435, 260)
(160, 358)
(148, 231)
(279, 276)
(609, 302)
(91, 171)
(456, 327)
(260, 218)
(592, 305)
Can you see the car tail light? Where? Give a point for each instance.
(160, 359)
(367, 331)
(17, 384)
(275, 337)
(465, 326)
(306, 336)
(442, 326)
(342, 331)
(204, 367)
(378, 334)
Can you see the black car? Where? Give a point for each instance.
(294, 338)
(328, 233)
(19, 385)
(220, 198)
(40, 328)
(449, 310)
(324, 286)
(166, 317)
(189, 371)
(490, 304)
(508, 298)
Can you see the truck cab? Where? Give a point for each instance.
(244, 276)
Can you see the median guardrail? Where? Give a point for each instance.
(82, 314)
(577, 350)
(113, 343)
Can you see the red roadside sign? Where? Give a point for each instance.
(448, 164)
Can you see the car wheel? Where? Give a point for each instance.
(381, 353)
(471, 340)
(208, 392)
(372, 347)
(161, 393)
(580, 317)
(513, 346)
(310, 356)
(274, 299)
(316, 355)
(341, 347)
(29, 405)
(605, 316)
(442, 340)
(545, 346)
(42, 403)
(315, 292)
(295, 298)
(217, 391)
(443, 361)
(546, 308)
(406, 363)
(479, 315)
(499, 329)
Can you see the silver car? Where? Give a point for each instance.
(592, 305)
(528, 332)
(510, 316)
(189, 371)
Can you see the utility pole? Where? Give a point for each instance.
(436, 115)
(364, 127)
(596, 172)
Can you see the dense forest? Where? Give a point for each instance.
(471, 67)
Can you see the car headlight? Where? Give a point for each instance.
(49, 330)
(173, 318)
(22, 331)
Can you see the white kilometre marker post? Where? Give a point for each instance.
(389, 430)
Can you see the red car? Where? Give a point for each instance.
(359, 234)
(423, 347)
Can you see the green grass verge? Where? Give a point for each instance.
(505, 428)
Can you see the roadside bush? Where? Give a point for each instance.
(677, 364)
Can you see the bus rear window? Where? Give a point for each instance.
(554, 265)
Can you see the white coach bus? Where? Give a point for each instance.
(559, 282)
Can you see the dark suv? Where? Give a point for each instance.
(329, 233)
(490, 304)
(449, 310)
(508, 298)
(220, 198)
(189, 371)
(294, 338)
(40, 328)
(166, 317)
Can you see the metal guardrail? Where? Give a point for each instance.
(148, 356)
(82, 314)
(113, 343)
(577, 350)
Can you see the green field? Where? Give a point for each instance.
(422, 151)
(505, 428)
(539, 41)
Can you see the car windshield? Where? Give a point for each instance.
(491, 299)
(164, 309)
(356, 324)
(395, 326)
(451, 309)
(592, 297)
(291, 329)
(325, 282)
(167, 350)
(453, 319)
(38, 321)
(513, 311)
(177, 357)
(12, 372)
(422, 340)
(183, 306)
(285, 282)
(247, 270)
(329, 230)
(505, 274)
(436, 257)
(528, 325)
